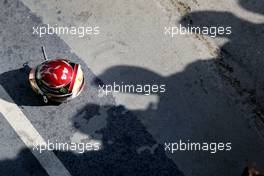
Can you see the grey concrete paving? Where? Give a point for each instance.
(199, 105)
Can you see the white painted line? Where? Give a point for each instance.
(30, 136)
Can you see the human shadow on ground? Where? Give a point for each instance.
(202, 102)
(197, 105)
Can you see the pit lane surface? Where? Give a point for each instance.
(214, 114)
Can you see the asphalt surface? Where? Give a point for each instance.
(199, 104)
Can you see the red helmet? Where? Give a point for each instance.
(55, 73)
(57, 79)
